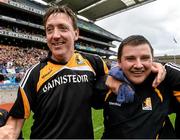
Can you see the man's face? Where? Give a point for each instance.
(60, 36)
(136, 62)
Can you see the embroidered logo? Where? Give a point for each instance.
(147, 104)
(79, 60)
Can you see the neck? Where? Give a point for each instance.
(62, 60)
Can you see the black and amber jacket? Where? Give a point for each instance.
(147, 116)
(60, 96)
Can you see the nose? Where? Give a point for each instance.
(56, 34)
(138, 64)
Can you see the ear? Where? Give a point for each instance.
(76, 35)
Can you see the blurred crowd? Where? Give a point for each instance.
(14, 61)
(22, 30)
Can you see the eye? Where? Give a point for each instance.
(145, 58)
(130, 58)
(49, 30)
(63, 28)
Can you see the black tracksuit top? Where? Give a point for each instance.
(147, 116)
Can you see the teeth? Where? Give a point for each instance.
(56, 44)
(138, 72)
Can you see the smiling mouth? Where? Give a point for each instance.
(137, 73)
(58, 43)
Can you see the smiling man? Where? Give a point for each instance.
(59, 90)
(147, 116)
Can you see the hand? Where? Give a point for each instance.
(3, 117)
(7, 132)
(122, 88)
(113, 84)
(11, 129)
(161, 73)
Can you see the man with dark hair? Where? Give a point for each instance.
(147, 115)
(60, 90)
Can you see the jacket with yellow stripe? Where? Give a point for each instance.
(61, 96)
(147, 116)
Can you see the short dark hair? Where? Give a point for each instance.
(133, 40)
(61, 9)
